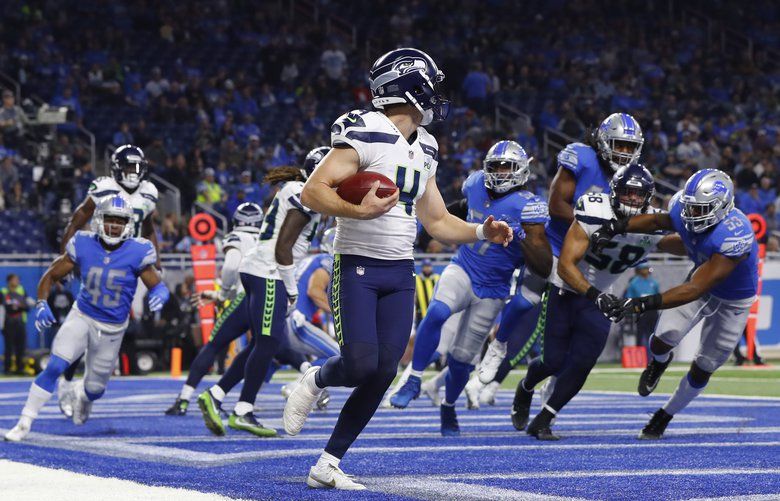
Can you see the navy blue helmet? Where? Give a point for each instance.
(248, 215)
(409, 76)
(313, 157)
(631, 188)
(129, 166)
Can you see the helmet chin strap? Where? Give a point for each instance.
(427, 115)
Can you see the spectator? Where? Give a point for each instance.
(477, 87)
(689, 151)
(123, 135)
(710, 157)
(18, 198)
(209, 191)
(247, 128)
(9, 174)
(157, 84)
(253, 191)
(333, 61)
(137, 96)
(15, 303)
(12, 120)
(750, 202)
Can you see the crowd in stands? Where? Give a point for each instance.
(218, 93)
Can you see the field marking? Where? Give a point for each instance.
(431, 488)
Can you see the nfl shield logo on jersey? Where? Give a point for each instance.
(360, 271)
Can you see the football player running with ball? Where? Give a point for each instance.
(111, 261)
(373, 272)
(719, 240)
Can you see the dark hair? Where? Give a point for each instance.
(11, 276)
(283, 174)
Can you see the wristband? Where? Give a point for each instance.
(653, 302)
(287, 272)
(592, 293)
(481, 232)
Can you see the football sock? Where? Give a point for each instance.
(186, 392)
(428, 335)
(457, 379)
(683, 395)
(47, 380)
(217, 392)
(36, 399)
(243, 408)
(510, 316)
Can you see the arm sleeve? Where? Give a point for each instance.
(569, 158)
(535, 212)
(149, 257)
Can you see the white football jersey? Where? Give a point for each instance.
(143, 200)
(261, 260)
(244, 241)
(623, 252)
(382, 148)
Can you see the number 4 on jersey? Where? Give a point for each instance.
(408, 181)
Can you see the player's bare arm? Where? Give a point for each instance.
(449, 229)
(78, 220)
(317, 289)
(320, 196)
(673, 244)
(148, 232)
(58, 269)
(293, 225)
(537, 249)
(707, 276)
(561, 200)
(150, 276)
(574, 248)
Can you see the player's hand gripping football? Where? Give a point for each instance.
(497, 232)
(44, 318)
(372, 206)
(601, 237)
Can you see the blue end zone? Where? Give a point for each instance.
(717, 447)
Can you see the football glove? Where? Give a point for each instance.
(158, 296)
(639, 305)
(607, 303)
(601, 237)
(44, 318)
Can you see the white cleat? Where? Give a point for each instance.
(331, 477)
(472, 390)
(301, 402)
(493, 357)
(18, 432)
(488, 394)
(82, 405)
(430, 390)
(65, 396)
(288, 388)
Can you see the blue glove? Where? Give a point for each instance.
(158, 296)
(44, 318)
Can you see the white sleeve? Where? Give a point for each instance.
(362, 132)
(591, 211)
(230, 269)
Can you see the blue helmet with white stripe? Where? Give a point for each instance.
(409, 76)
(113, 219)
(706, 200)
(506, 166)
(619, 140)
(248, 216)
(631, 189)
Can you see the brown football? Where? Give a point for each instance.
(355, 187)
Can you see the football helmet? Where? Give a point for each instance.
(313, 158)
(616, 132)
(326, 242)
(248, 216)
(409, 76)
(707, 199)
(631, 189)
(506, 154)
(112, 232)
(129, 166)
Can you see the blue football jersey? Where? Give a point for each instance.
(582, 161)
(304, 271)
(732, 237)
(490, 266)
(108, 278)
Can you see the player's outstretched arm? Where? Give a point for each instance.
(537, 250)
(320, 196)
(58, 269)
(80, 217)
(317, 289)
(561, 203)
(644, 223)
(673, 244)
(448, 229)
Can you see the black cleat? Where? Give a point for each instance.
(651, 375)
(540, 429)
(179, 408)
(521, 407)
(655, 428)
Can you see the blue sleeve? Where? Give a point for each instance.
(471, 181)
(735, 242)
(70, 248)
(675, 209)
(535, 211)
(569, 158)
(147, 255)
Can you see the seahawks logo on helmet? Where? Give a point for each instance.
(406, 65)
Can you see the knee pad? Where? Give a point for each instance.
(699, 376)
(48, 378)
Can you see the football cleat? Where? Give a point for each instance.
(449, 421)
(655, 428)
(249, 423)
(408, 392)
(488, 394)
(210, 409)
(431, 391)
(301, 402)
(330, 476)
(494, 355)
(540, 429)
(18, 432)
(82, 406)
(521, 407)
(65, 397)
(472, 391)
(179, 408)
(651, 375)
